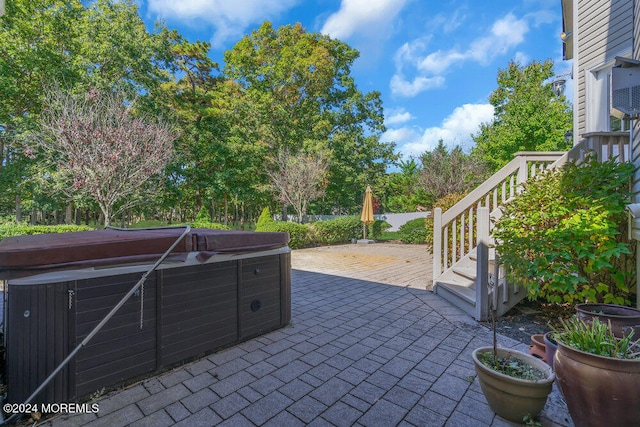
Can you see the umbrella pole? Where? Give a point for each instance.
(364, 231)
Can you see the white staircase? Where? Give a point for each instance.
(465, 271)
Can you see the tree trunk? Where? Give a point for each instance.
(68, 214)
(242, 216)
(284, 211)
(18, 209)
(226, 210)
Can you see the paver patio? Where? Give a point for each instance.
(367, 345)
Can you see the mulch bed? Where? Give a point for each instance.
(531, 317)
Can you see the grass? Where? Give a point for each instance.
(388, 236)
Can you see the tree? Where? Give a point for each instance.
(403, 194)
(100, 148)
(528, 115)
(298, 94)
(447, 172)
(298, 179)
(103, 45)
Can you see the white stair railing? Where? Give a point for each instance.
(454, 231)
(455, 234)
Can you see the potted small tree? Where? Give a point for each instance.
(598, 374)
(516, 385)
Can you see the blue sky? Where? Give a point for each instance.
(434, 62)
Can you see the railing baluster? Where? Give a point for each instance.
(446, 248)
(462, 233)
(454, 242)
(471, 245)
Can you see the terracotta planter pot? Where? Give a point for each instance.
(538, 349)
(599, 391)
(623, 319)
(509, 397)
(550, 347)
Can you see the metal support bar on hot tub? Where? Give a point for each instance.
(103, 322)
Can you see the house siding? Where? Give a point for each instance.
(635, 143)
(604, 31)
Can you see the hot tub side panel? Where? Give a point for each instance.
(37, 340)
(264, 294)
(125, 347)
(198, 307)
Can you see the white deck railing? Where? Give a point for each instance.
(455, 232)
(458, 231)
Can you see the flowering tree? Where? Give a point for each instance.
(100, 148)
(298, 179)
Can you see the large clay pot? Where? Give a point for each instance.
(599, 391)
(513, 398)
(623, 319)
(550, 347)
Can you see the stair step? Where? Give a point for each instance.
(459, 296)
(468, 272)
(467, 293)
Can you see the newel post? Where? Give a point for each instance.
(482, 266)
(437, 244)
(523, 170)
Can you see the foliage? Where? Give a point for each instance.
(296, 93)
(264, 218)
(597, 338)
(299, 234)
(298, 179)
(511, 366)
(528, 116)
(564, 238)
(377, 227)
(100, 148)
(402, 190)
(445, 203)
(337, 230)
(104, 45)
(414, 231)
(445, 172)
(209, 224)
(9, 229)
(203, 215)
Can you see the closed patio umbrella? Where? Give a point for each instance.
(367, 211)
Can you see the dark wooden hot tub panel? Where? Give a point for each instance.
(188, 312)
(199, 310)
(121, 350)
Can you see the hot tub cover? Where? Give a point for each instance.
(111, 246)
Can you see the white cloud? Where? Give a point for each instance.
(505, 34)
(400, 86)
(368, 16)
(456, 129)
(397, 116)
(230, 18)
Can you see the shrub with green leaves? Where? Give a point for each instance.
(565, 238)
(264, 218)
(299, 234)
(337, 230)
(203, 215)
(208, 224)
(9, 229)
(414, 231)
(377, 227)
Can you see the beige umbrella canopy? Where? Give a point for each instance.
(367, 211)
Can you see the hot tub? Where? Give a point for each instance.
(216, 289)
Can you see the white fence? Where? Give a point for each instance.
(395, 219)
